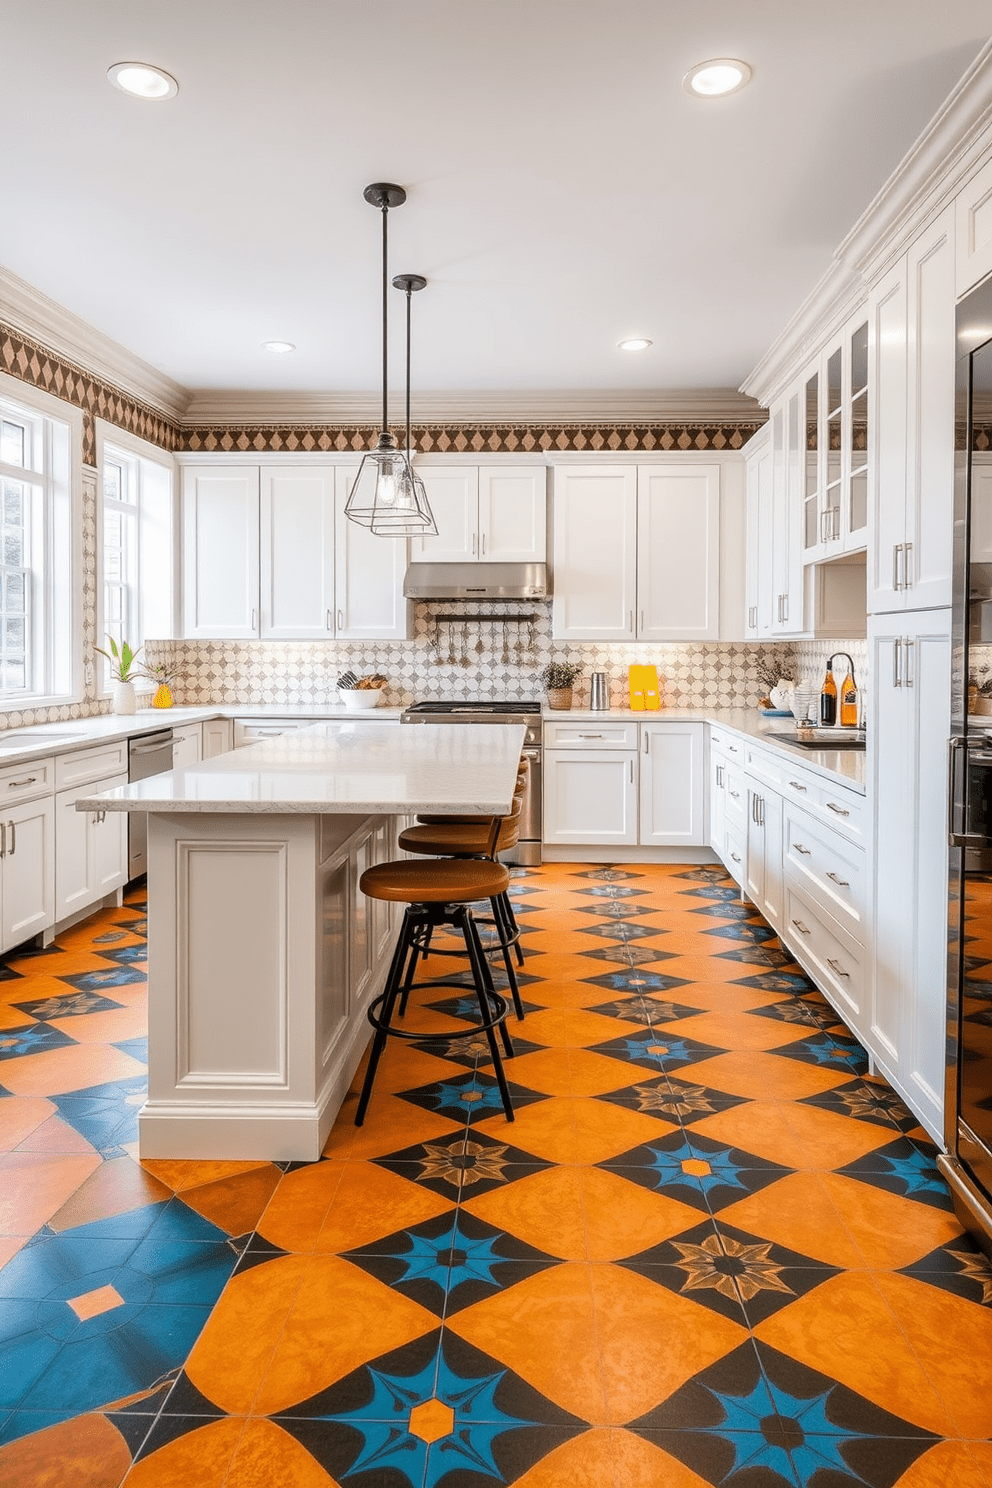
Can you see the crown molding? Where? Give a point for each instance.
(682, 405)
(25, 309)
(928, 176)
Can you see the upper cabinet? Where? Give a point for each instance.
(774, 575)
(485, 514)
(637, 552)
(911, 411)
(973, 231)
(832, 494)
(268, 553)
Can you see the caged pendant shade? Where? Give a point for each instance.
(387, 497)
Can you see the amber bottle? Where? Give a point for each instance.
(849, 700)
(828, 699)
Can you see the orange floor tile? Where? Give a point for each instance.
(710, 1249)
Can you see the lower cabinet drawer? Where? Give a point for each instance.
(833, 959)
(735, 854)
(828, 867)
(735, 792)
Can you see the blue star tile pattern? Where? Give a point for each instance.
(93, 981)
(831, 1051)
(32, 1038)
(901, 1168)
(102, 1311)
(756, 932)
(127, 955)
(635, 980)
(657, 1050)
(106, 1115)
(449, 1263)
(696, 1170)
(365, 1431)
(468, 1097)
(753, 955)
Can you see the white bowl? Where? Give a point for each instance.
(360, 697)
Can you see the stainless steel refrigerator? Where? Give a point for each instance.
(967, 1165)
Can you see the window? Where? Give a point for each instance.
(136, 543)
(37, 576)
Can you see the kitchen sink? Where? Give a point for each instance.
(26, 738)
(819, 743)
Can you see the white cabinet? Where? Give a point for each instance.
(590, 797)
(727, 801)
(784, 603)
(220, 551)
(763, 874)
(973, 225)
(758, 551)
(90, 849)
(485, 514)
(912, 357)
(187, 746)
(637, 552)
(251, 730)
(673, 785)
(27, 880)
(218, 737)
(269, 553)
(910, 660)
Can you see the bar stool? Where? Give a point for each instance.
(438, 893)
(467, 839)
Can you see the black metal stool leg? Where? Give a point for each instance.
(393, 981)
(503, 932)
(417, 950)
(514, 928)
(482, 979)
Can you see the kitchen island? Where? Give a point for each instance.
(263, 954)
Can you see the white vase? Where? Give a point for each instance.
(125, 701)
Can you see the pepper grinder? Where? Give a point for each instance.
(599, 692)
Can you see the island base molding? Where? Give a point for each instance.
(263, 957)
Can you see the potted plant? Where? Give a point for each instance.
(122, 670)
(558, 678)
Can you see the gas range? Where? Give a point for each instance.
(478, 710)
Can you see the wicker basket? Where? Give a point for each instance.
(560, 698)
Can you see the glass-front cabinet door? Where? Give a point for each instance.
(835, 503)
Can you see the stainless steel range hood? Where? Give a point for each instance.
(476, 581)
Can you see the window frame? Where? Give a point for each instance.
(57, 543)
(149, 527)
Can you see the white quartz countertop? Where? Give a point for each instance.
(355, 768)
(846, 765)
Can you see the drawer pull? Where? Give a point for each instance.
(28, 780)
(13, 839)
(736, 856)
(800, 849)
(835, 967)
(841, 883)
(589, 736)
(736, 795)
(838, 810)
(796, 786)
(3, 840)
(733, 749)
(803, 929)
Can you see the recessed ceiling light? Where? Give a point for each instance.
(719, 75)
(278, 347)
(634, 343)
(143, 81)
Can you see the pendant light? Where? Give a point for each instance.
(385, 496)
(411, 515)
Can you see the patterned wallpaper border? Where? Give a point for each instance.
(34, 364)
(487, 438)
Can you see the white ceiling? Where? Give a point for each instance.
(564, 191)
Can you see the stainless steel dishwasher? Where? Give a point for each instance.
(148, 754)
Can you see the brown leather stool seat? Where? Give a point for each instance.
(471, 839)
(438, 892)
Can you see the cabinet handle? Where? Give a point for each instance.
(630, 621)
(785, 607)
(824, 534)
(3, 840)
(15, 784)
(474, 541)
(897, 662)
(588, 736)
(642, 622)
(754, 808)
(483, 545)
(796, 786)
(803, 929)
(647, 742)
(835, 967)
(736, 856)
(839, 810)
(910, 646)
(327, 621)
(732, 749)
(895, 567)
(736, 795)
(254, 619)
(800, 849)
(13, 839)
(340, 619)
(719, 776)
(907, 549)
(835, 522)
(841, 883)
(632, 770)
(752, 617)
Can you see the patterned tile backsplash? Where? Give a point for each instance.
(499, 655)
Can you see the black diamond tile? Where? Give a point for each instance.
(630, 955)
(672, 1099)
(864, 1100)
(469, 1097)
(657, 1050)
(958, 1267)
(461, 1166)
(632, 979)
(695, 1265)
(696, 1170)
(72, 1005)
(901, 1168)
(622, 930)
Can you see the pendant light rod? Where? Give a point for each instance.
(408, 283)
(384, 194)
